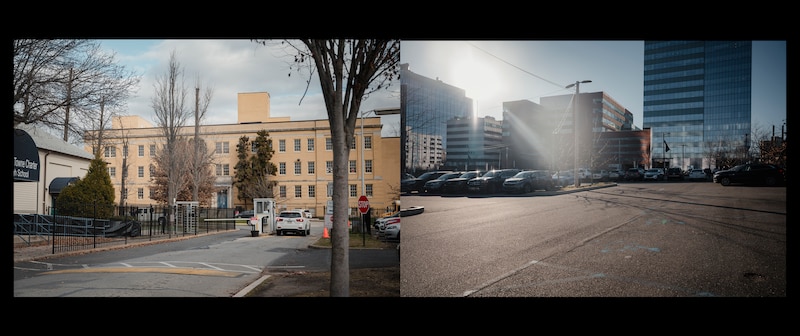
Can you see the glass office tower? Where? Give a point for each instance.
(697, 100)
(426, 105)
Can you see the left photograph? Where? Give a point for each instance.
(249, 161)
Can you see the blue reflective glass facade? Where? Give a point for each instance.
(426, 105)
(696, 99)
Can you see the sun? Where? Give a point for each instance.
(479, 79)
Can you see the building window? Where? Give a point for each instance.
(353, 190)
(311, 169)
(141, 171)
(328, 144)
(312, 191)
(152, 150)
(367, 142)
(369, 190)
(152, 171)
(152, 193)
(298, 191)
(329, 167)
(112, 171)
(330, 189)
(125, 151)
(297, 168)
(353, 143)
(222, 147)
(110, 151)
(253, 147)
(352, 166)
(282, 145)
(282, 168)
(140, 193)
(282, 191)
(141, 150)
(311, 145)
(223, 169)
(367, 166)
(296, 145)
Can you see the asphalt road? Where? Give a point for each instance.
(225, 264)
(661, 239)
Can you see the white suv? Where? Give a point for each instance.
(292, 221)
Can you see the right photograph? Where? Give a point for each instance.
(593, 168)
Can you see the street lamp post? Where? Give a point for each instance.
(577, 86)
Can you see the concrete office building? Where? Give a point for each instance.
(697, 99)
(303, 156)
(541, 136)
(426, 105)
(474, 143)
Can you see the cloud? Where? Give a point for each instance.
(230, 67)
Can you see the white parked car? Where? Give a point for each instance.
(292, 221)
(655, 174)
(381, 223)
(563, 178)
(697, 174)
(392, 231)
(600, 175)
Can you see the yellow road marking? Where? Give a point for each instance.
(189, 271)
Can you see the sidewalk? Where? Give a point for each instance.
(41, 248)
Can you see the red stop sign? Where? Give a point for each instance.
(363, 204)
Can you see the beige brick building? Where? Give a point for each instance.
(302, 154)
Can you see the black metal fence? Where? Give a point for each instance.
(125, 225)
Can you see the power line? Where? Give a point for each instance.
(560, 86)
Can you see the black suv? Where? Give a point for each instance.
(674, 173)
(753, 174)
(416, 184)
(491, 182)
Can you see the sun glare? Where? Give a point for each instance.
(480, 81)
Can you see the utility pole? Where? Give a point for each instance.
(577, 86)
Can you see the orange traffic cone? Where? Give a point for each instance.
(325, 233)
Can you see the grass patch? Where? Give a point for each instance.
(357, 240)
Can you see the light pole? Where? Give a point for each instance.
(577, 86)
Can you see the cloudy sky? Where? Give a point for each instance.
(230, 67)
(493, 72)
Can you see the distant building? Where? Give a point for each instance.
(303, 156)
(426, 105)
(697, 99)
(541, 136)
(474, 143)
(59, 163)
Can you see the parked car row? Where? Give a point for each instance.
(477, 182)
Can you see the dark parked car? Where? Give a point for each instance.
(416, 184)
(491, 182)
(245, 214)
(459, 184)
(674, 173)
(529, 180)
(751, 174)
(634, 174)
(435, 186)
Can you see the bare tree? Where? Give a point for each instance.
(348, 70)
(185, 187)
(61, 84)
(171, 112)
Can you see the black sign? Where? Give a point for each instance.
(26, 157)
